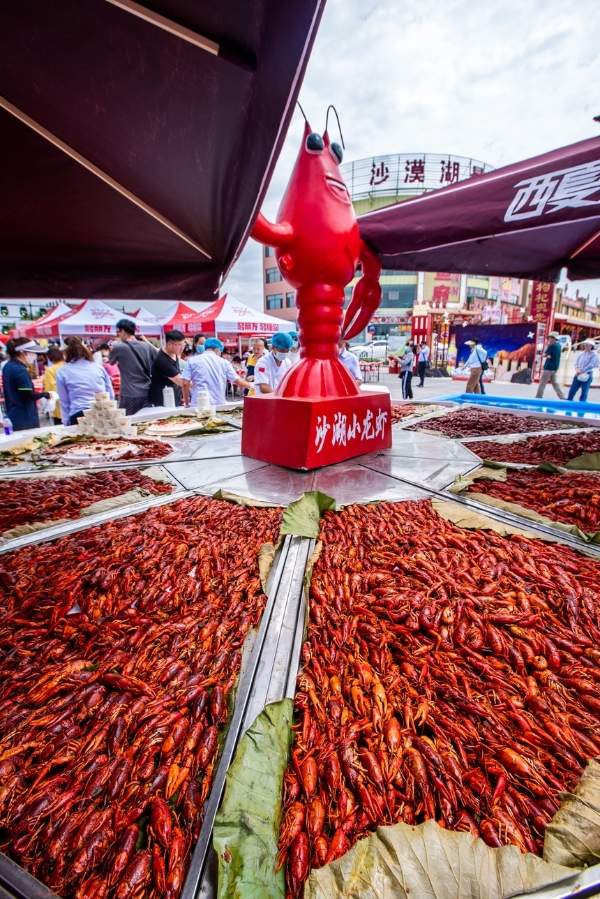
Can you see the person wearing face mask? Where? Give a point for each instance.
(20, 398)
(294, 355)
(271, 367)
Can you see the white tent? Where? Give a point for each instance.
(229, 316)
(95, 319)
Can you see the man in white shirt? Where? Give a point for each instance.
(207, 371)
(271, 367)
(422, 359)
(350, 362)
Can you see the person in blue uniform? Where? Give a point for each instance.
(20, 397)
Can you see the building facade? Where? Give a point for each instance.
(279, 297)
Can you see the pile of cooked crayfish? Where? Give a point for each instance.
(399, 413)
(120, 649)
(27, 500)
(143, 448)
(572, 498)
(555, 448)
(481, 422)
(447, 674)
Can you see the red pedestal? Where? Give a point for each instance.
(315, 431)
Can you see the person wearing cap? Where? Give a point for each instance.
(587, 361)
(207, 371)
(20, 398)
(350, 361)
(271, 367)
(475, 362)
(294, 355)
(551, 366)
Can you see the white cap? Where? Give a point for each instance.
(554, 334)
(31, 347)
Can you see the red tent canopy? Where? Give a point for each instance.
(46, 326)
(527, 220)
(173, 318)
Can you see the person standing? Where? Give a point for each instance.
(271, 367)
(406, 371)
(587, 361)
(207, 371)
(20, 398)
(166, 371)
(78, 380)
(422, 359)
(482, 355)
(134, 358)
(475, 362)
(56, 360)
(349, 361)
(551, 366)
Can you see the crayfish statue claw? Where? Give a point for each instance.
(318, 248)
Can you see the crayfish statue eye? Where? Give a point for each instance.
(318, 248)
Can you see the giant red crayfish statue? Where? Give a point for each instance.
(317, 248)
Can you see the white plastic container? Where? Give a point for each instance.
(102, 396)
(168, 398)
(203, 401)
(128, 431)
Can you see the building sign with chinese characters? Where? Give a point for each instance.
(542, 302)
(404, 174)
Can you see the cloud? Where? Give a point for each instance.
(496, 81)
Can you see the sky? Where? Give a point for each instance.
(494, 81)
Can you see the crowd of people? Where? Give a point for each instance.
(135, 371)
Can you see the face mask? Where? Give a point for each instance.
(294, 343)
(280, 356)
(29, 358)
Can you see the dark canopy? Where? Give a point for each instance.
(137, 142)
(527, 220)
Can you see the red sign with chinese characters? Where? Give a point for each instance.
(542, 302)
(316, 431)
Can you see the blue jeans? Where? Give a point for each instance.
(584, 386)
